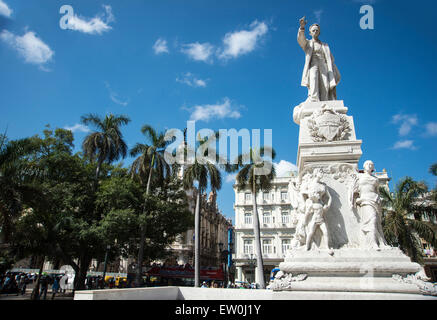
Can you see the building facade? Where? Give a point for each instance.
(277, 227)
(214, 227)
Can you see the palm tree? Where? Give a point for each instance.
(202, 173)
(407, 217)
(106, 144)
(151, 159)
(248, 177)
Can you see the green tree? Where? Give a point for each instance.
(66, 183)
(150, 160)
(408, 217)
(167, 215)
(253, 176)
(15, 178)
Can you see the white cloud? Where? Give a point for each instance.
(198, 51)
(230, 178)
(5, 10)
(160, 46)
(115, 97)
(29, 46)
(97, 25)
(404, 144)
(407, 121)
(318, 15)
(207, 112)
(78, 127)
(284, 168)
(242, 42)
(431, 128)
(189, 79)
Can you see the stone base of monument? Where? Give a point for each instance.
(188, 293)
(383, 271)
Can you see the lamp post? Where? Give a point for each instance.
(229, 261)
(223, 261)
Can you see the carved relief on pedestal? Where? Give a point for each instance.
(311, 199)
(284, 281)
(326, 125)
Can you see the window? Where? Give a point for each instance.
(247, 196)
(248, 218)
(267, 246)
(248, 247)
(286, 245)
(285, 217)
(267, 216)
(284, 195)
(265, 196)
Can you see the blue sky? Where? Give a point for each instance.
(226, 64)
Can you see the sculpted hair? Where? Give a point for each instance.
(314, 25)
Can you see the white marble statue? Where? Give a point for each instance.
(311, 199)
(320, 74)
(365, 194)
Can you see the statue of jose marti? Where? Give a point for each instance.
(320, 74)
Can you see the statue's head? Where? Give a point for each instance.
(314, 31)
(369, 166)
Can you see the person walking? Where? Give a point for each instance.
(55, 287)
(22, 284)
(44, 282)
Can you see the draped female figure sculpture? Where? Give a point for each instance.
(320, 74)
(369, 202)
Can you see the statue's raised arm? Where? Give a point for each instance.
(301, 34)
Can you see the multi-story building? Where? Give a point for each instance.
(277, 226)
(214, 228)
(278, 222)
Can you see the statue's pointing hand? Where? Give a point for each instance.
(302, 22)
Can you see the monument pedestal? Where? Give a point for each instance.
(326, 134)
(339, 244)
(347, 270)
